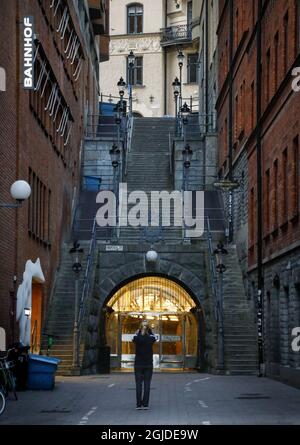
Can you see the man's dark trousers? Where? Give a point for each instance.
(143, 375)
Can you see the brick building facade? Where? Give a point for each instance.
(258, 118)
(41, 135)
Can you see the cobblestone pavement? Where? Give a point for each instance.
(176, 399)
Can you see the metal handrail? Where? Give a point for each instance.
(110, 97)
(128, 140)
(171, 146)
(208, 127)
(176, 33)
(87, 278)
(213, 272)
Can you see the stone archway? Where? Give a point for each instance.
(173, 312)
(118, 265)
(169, 269)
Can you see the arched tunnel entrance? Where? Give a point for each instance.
(173, 314)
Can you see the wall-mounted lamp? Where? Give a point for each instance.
(276, 281)
(27, 312)
(151, 256)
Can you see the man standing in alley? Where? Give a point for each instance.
(143, 364)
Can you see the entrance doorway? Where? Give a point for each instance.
(36, 318)
(170, 311)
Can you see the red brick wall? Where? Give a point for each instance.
(8, 122)
(244, 56)
(280, 126)
(280, 118)
(23, 144)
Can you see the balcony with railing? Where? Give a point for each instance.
(174, 35)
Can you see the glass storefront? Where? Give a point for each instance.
(169, 310)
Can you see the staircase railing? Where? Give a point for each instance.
(218, 298)
(87, 279)
(213, 270)
(171, 154)
(128, 140)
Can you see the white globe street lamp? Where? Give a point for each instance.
(151, 256)
(20, 191)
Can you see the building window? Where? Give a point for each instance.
(285, 196)
(295, 173)
(242, 108)
(236, 117)
(65, 39)
(275, 196)
(135, 74)
(252, 106)
(225, 138)
(135, 19)
(237, 28)
(190, 13)
(253, 12)
(50, 107)
(268, 74)
(39, 210)
(286, 42)
(251, 231)
(192, 68)
(276, 67)
(267, 201)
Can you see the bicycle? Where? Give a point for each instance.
(2, 400)
(7, 379)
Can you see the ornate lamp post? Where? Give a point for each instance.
(180, 58)
(176, 90)
(184, 112)
(121, 87)
(115, 154)
(221, 268)
(76, 252)
(118, 121)
(131, 63)
(187, 154)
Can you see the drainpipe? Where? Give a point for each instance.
(230, 114)
(206, 104)
(165, 62)
(18, 80)
(230, 120)
(260, 280)
(206, 66)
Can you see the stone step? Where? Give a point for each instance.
(242, 372)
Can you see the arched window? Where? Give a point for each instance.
(135, 19)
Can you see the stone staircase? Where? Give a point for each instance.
(240, 340)
(60, 317)
(148, 169)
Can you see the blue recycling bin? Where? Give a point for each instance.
(41, 372)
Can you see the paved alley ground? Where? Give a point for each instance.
(176, 399)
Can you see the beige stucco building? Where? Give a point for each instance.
(155, 30)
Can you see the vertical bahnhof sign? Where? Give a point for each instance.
(28, 53)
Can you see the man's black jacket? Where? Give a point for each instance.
(143, 349)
